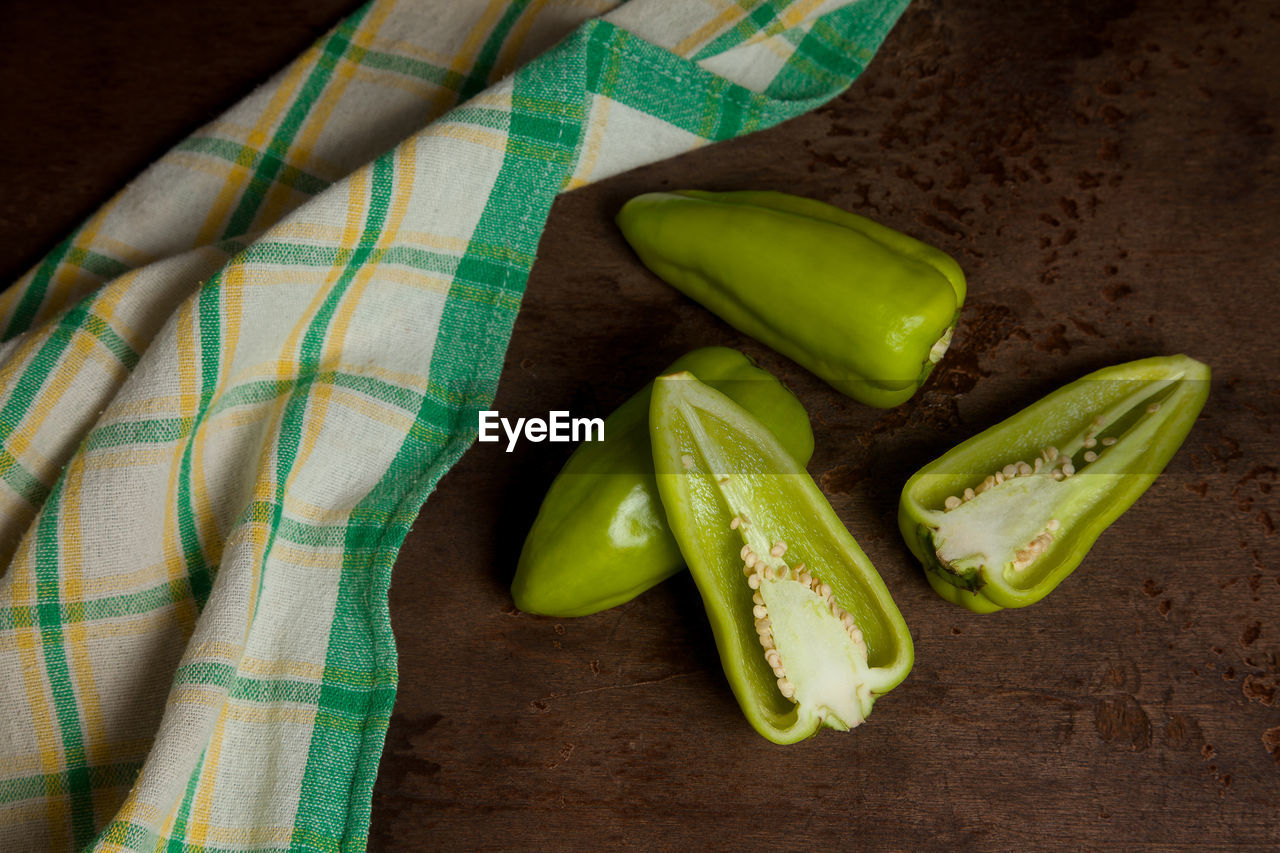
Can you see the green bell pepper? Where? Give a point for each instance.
(600, 537)
(1003, 518)
(807, 632)
(866, 308)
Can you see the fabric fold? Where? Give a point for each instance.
(225, 397)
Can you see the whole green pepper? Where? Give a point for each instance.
(600, 538)
(1002, 519)
(807, 632)
(866, 308)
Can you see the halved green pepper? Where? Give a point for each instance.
(1003, 518)
(866, 308)
(600, 537)
(807, 632)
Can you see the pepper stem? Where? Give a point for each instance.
(939, 348)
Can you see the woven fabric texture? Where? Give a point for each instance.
(225, 397)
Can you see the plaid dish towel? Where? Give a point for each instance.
(224, 398)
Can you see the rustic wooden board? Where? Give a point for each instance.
(1106, 174)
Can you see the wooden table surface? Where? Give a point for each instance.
(1105, 172)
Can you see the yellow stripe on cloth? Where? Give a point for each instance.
(39, 699)
(730, 12)
(319, 116)
(220, 211)
(202, 805)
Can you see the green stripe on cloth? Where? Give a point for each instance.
(238, 153)
(756, 22)
(273, 160)
(34, 294)
(337, 824)
(209, 328)
(483, 68)
(32, 381)
(100, 265)
(101, 777)
(249, 689)
(281, 470)
(837, 48)
(21, 481)
(132, 603)
(176, 839)
(411, 67)
(48, 579)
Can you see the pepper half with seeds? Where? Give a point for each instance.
(868, 309)
(1002, 519)
(600, 537)
(807, 632)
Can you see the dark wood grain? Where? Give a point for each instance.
(1106, 174)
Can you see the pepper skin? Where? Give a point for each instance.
(866, 308)
(807, 632)
(1002, 519)
(600, 538)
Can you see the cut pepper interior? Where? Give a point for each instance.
(1009, 519)
(1000, 520)
(806, 630)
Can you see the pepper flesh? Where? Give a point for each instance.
(600, 537)
(1002, 519)
(806, 630)
(868, 309)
